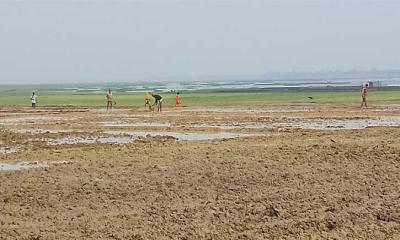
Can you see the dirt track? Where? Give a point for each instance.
(277, 182)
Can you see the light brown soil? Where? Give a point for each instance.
(283, 183)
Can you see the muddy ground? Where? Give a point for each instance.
(272, 172)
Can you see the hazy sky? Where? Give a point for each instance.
(90, 41)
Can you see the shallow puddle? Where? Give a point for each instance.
(101, 110)
(246, 110)
(179, 136)
(30, 119)
(39, 131)
(239, 125)
(310, 123)
(12, 149)
(89, 140)
(345, 123)
(136, 124)
(21, 166)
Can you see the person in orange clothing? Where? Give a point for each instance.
(178, 99)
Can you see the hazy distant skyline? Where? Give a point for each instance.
(105, 41)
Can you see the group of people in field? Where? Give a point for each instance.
(158, 100)
(147, 98)
(178, 100)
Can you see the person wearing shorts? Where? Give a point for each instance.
(109, 97)
(158, 101)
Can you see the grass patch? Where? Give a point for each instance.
(47, 99)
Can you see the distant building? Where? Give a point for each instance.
(374, 84)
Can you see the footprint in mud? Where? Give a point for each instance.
(388, 216)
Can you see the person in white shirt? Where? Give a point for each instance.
(34, 100)
(109, 97)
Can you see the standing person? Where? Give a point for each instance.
(147, 97)
(178, 99)
(109, 97)
(364, 93)
(158, 101)
(34, 100)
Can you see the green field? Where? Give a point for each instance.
(48, 99)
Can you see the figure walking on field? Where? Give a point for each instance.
(34, 100)
(364, 93)
(109, 97)
(158, 101)
(178, 99)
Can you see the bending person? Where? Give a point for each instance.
(158, 101)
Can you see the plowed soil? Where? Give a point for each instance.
(276, 182)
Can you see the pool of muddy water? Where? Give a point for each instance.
(343, 123)
(21, 166)
(247, 110)
(237, 125)
(135, 124)
(124, 137)
(39, 130)
(30, 119)
(90, 140)
(189, 136)
(12, 149)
